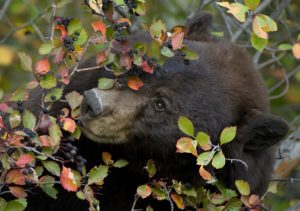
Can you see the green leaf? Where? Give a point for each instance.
(252, 4)
(186, 126)
(54, 95)
(55, 133)
(98, 174)
(119, 3)
(52, 167)
(204, 158)
(47, 186)
(1, 94)
(243, 187)
(203, 138)
(19, 95)
(189, 54)
(48, 81)
(46, 48)
(81, 195)
(285, 47)
(258, 43)
(151, 169)
(219, 160)
(82, 38)
(157, 28)
(29, 120)
(140, 9)
(298, 38)
(105, 83)
(39, 170)
(144, 191)
(16, 205)
(3, 204)
(26, 61)
(228, 134)
(120, 163)
(165, 51)
(272, 187)
(74, 25)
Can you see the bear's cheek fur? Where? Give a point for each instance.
(115, 122)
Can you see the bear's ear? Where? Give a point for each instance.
(260, 130)
(199, 27)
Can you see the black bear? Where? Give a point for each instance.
(220, 89)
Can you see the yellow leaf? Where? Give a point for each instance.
(296, 50)
(236, 9)
(7, 55)
(257, 29)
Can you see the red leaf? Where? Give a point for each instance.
(24, 159)
(135, 83)
(101, 57)
(67, 179)
(1, 123)
(63, 31)
(47, 141)
(99, 26)
(15, 176)
(146, 67)
(64, 74)
(69, 124)
(3, 107)
(18, 192)
(58, 55)
(42, 67)
(126, 61)
(177, 41)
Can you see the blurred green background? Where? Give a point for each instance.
(25, 24)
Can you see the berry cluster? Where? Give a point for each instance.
(71, 154)
(119, 28)
(70, 40)
(27, 170)
(63, 21)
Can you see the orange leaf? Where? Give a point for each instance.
(185, 145)
(63, 31)
(69, 124)
(106, 157)
(205, 174)
(47, 141)
(24, 159)
(146, 67)
(257, 29)
(135, 83)
(122, 20)
(15, 140)
(15, 176)
(18, 192)
(99, 26)
(296, 50)
(177, 41)
(178, 201)
(67, 179)
(42, 67)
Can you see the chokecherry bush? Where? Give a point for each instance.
(30, 145)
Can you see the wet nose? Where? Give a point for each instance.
(93, 102)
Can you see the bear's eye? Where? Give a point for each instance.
(160, 105)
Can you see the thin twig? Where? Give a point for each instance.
(239, 161)
(53, 22)
(292, 180)
(39, 33)
(4, 8)
(136, 198)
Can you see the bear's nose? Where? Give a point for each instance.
(93, 102)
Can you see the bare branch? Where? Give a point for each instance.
(4, 8)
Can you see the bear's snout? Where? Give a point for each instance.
(92, 103)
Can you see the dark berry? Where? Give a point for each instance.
(29, 132)
(186, 62)
(182, 54)
(61, 113)
(68, 155)
(69, 145)
(28, 182)
(72, 48)
(77, 34)
(30, 170)
(73, 152)
(53, 97)
(19, 103)
(45, 110)
(27, 165)
(25, 171)
(71, 139)
(39, 148)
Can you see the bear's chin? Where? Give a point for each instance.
(114, 139)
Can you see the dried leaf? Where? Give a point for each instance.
(67, 180)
